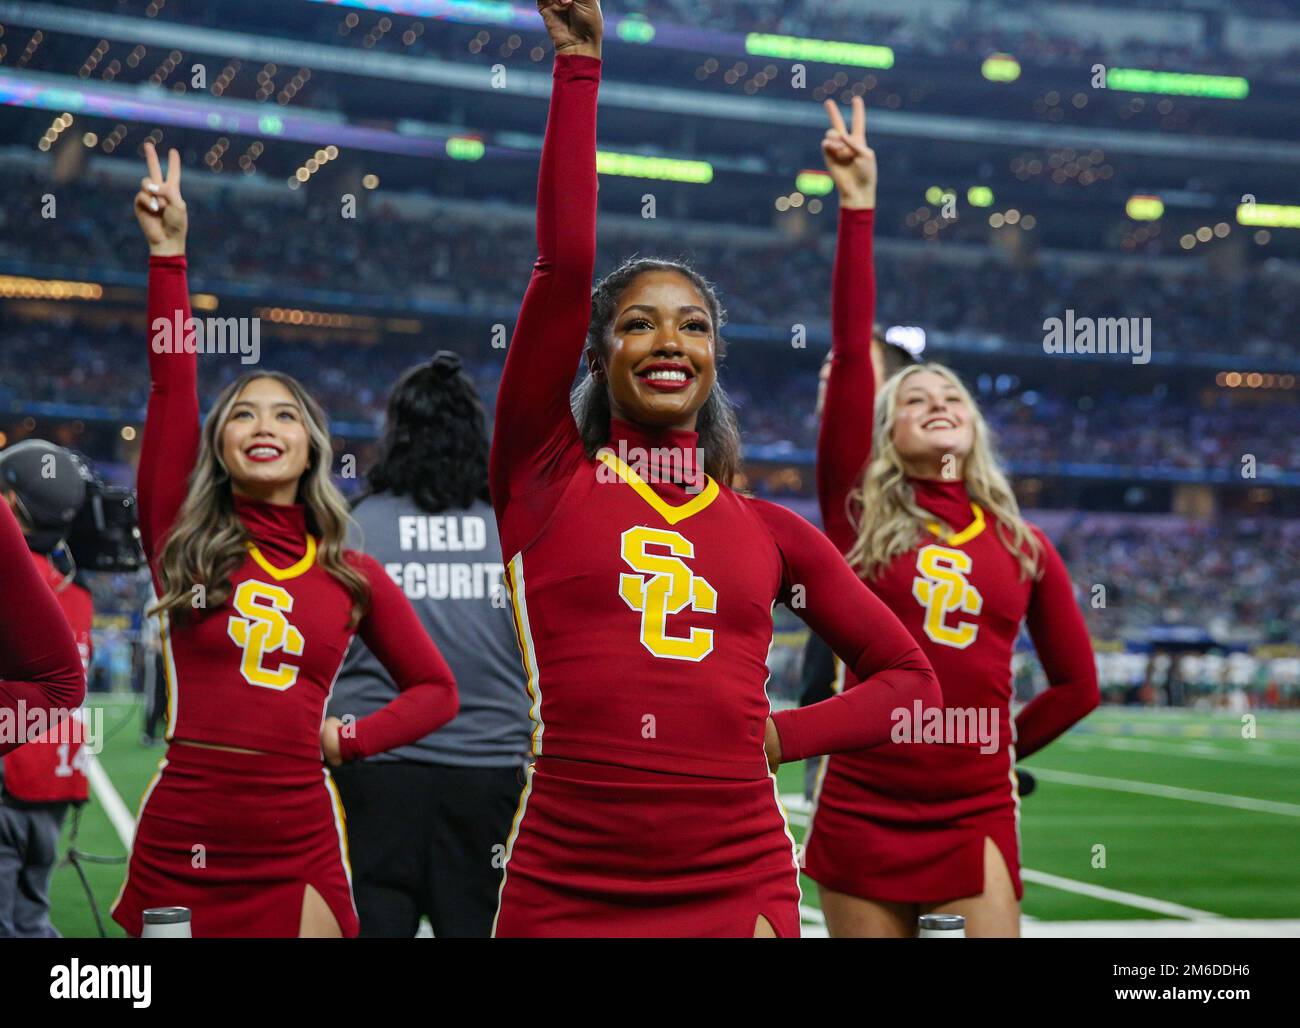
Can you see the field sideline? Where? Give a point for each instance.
(1200, 827)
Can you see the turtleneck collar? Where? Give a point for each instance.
(946, 499)
(661, 456)
(278, 530)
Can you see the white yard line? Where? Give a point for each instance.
(122, 820)
(795, 806)
(813, 926)
(1169, 792)
(1219, 928)
(1128, 899)
(1188, 750)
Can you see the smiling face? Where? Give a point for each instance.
(932, 419)
(660, 363)
(265, 443)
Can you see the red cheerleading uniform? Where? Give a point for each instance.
(906, 823)
(644, 616)
(40, 669)
(51, 768)
(238, 836)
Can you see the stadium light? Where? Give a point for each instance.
(20, 287)
(1000, 68)
(823, 51)
(814, 183)
(465, 148)
(1177, 83)
(635, 30)
(1270, 215)
(910, 337)
(979, 196)
(1141, 207)
(670, 169)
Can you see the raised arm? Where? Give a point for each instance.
(1061, 639)
(844, 438)
(535, 434)
(891, 670)
(40, 668)
(171, 431)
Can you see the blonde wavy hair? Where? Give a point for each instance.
(207, 541)
(883, 506)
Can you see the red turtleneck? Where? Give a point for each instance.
(256, 672)
(644, 609)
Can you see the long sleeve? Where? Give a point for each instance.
(427, 697)
(40, 668)
(844, 438)
(171, 430)
(535, 435)
(891, 670)
(1060, 636)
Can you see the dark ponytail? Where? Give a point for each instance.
(716, 421)
(435, 446)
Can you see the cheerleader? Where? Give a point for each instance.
(258, 600)
(914, 496)
(643, 588)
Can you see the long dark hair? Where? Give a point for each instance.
(716, 421)
(435, 446)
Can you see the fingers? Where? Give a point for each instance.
(839, 146)
(859, 118)
(147, 200)
(151, 161)
(174, 169)
(837, 119)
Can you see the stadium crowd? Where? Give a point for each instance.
(73, 365)
(1223, 577)
(470, 260)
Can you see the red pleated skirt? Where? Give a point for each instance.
(604, 851)
(907, 824)
(237, 838)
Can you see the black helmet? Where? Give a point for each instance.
(51, 487)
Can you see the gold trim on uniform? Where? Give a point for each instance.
(966, 534)
(671, 514)
(294, 570)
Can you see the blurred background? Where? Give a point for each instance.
(360, 178)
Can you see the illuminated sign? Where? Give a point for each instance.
(1001, 68)
(669, 169)
(1177, 83)
(814, 183)
(824, 51)
(635, 30)
(1144, 208)
(465, 148)
(1270, 215)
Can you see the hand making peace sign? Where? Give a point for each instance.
(159, 207)
(851, 163)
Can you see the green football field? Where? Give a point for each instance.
(1198, 827)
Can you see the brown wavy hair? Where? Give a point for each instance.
(207, 541)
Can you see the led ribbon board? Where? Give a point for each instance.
(1177, 83)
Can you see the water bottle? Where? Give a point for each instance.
(941, 926)
(166, 923)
